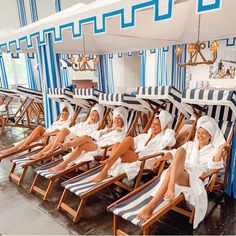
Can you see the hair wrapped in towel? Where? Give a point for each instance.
(70, 110)
(123, 113)
(210, 125)
(165, 119)
(99, 109)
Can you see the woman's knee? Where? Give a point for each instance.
(64, 131)
(128, 139)
(40, 129)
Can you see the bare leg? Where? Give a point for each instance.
(86, 145)
(177, 174)
(34, 136)
(125, 150)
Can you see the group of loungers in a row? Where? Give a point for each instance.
(190, 160)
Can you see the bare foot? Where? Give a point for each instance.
(144, 214)
(170, 194)
(104, 162)
(57, 168)
(101, 176)
(36, 156)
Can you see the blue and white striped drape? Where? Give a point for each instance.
(3, 74)
(50, 79)
(23, 21)
(231, 180)
(178, 74)
(105, 74)
(64, 74)
(143, 69)
(161, 67)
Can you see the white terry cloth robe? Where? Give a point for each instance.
(84, 128)
(198, 162)
(157, 144)
(110, 138)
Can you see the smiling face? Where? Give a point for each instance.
(156, 126)
(94, 117)
(118, 122)
(203, 137)
(65, 114)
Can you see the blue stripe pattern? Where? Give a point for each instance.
(33, 10)
(105, 74)
(178, 74)
(49, 75)
(3, 74)
(23, 21)
(161, 67)
(143, 69)
(204, 6)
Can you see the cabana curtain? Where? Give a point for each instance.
(23, 21)
(50, 79)
(3, 74)
(105, 74)
(143, 69)
(161, 67)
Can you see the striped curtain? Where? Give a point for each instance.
(143, 70)
(161, 67)
(50, 79)
(105, 74)
(64, 74)
(231, 180)
(178, 75)
(23, 21)
(3, 74)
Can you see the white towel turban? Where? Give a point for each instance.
(209, 124)
(70, 109)
(123, 113)
(165, 119)
(99, 109)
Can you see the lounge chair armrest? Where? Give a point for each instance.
(151, 156)
(208, 174)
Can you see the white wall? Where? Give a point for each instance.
(126, 73)
(150, 70)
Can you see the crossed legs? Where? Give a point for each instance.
(60, 137)
(124, 150)
(35, 135)
(84, 143)
(175, 174)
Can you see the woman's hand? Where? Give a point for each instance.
(224, 147)
(64, 146)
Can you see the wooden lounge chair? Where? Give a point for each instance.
(193, 101)
(82, 186)
(133, 124)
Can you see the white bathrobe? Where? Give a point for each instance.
(157, 144)
(196, 163)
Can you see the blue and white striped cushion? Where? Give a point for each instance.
(83, 184)
(30, 93)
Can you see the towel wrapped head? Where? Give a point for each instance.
(66, 105)
(165, 119)
(99, 109)
(210, 125)
(123, 113)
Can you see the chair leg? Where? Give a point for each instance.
(49, 189)
(13, 167)
(115, 223)
(63, 198)
(22, 176)
(79, 210)
(146, 231)
(192, 216)
(34, 183)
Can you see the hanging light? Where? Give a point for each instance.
(82, 62)
(195, 52)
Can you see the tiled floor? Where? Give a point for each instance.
(24, 213)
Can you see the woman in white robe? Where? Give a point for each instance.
(66, 134)
(124, 156)
(191, 162)
(91, 146)
(41, 134)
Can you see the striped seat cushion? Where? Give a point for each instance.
(83, 183)
(24, 159)
(128, 209)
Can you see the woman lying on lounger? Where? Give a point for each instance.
(190, 163)
(40, 133)
(157, 139)
(66, 134)
(91, 146)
